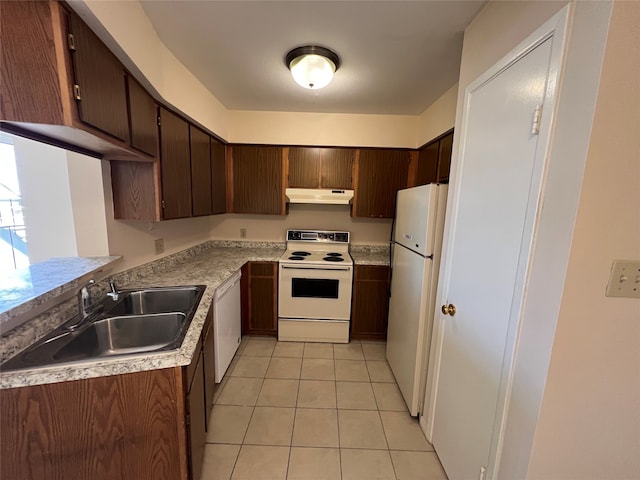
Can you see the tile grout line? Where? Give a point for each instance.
(335, 385)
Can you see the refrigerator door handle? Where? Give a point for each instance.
(391, 248)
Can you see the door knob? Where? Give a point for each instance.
(449, 309)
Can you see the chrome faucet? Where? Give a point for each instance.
(84, 305)
(114, 293)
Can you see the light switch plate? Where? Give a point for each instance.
(624, 280)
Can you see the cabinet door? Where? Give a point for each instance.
(304, 167)
(143, 116)
(209, 366)
(428, 164)
(175, 165)
(259, 298)
(257, 180)
(200, 172)
(219, 177)
(444, 158)
(196, 421)
(336, 168)
(381, 173)
(370, 305)
(102, 99)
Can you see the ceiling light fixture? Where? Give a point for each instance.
(312, 66)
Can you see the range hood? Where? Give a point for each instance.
(319, 195)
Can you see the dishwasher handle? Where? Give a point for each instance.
(226, 286)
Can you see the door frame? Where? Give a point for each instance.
(556, 29)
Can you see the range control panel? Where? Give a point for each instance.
(317, 236)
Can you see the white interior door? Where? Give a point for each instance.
(483, 275)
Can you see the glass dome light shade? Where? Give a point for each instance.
(312, 71)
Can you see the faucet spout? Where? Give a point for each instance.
(84, 304)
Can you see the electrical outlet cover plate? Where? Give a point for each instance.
(624, 280)
(159, 246)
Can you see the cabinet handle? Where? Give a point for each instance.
(76, 92)
(449, 309)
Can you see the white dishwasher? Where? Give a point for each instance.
(226, 324)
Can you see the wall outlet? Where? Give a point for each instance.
(624, 280)
(243, 233)
(159, 245)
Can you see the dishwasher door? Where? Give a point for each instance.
(226, 324)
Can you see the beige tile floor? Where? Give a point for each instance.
(314, 411)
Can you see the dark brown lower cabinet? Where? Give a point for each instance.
(370, 303)
(259, 293)
(137, 426)
(196, 419)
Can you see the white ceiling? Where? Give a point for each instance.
(397, 56)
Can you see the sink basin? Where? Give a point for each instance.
(145, 320)
(122, 335)
(156, 300)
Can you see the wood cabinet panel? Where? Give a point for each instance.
(311, 167)
(259, 293)
(257, 180)
(195, 402)
(23, 58)
(219, 177)
(100, 76)
(208, 359)
(135, 193)
(99, 428)
(381, 173)
(200, 172)
(176, 166)
(428, 165)
(337, 168)
(444, 158)
(143, 118)
(370, 304)
(304, 167)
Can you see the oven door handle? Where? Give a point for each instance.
(343, 269)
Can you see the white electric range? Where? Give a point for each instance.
(315, 281)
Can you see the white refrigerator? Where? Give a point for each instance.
(415, 261)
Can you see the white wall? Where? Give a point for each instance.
(438, 118)
(331, 129)
(589, 424)
(46, 200)
(328, 217)
(87, 204)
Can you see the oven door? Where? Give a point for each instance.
(315, 291)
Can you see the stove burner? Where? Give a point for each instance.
(296, 257)
(300, 254)
(333, 259)
(334, 254)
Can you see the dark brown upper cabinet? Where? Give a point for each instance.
(143, 121)
(46, 51)
(176, 166)
(434, 160)
(200, 172)
(380, 174)
(257, 179)
(312, 167)
(428, 164)
(219, 177)
(99, 81)
(444, 158)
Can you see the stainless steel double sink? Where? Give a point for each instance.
(145, 320)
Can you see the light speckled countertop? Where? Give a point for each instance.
(29, 288)
(208, 264)
(370, 254)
